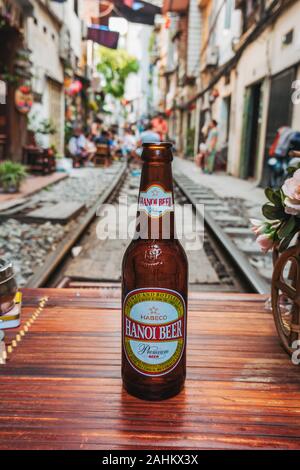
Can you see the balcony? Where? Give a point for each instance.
(252, 11)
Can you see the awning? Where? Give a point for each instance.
(176, 6)
(139, 12)
(102, 35)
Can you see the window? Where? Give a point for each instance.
(288, 38)
(252, 11)
(76, 7)
(45, 29)
(228, 11)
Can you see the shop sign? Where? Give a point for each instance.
(23, 99)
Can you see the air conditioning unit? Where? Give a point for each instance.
(84, 30)
(212, 56)
(237, 24)
(64, 43)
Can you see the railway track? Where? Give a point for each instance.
(43, 275)
(230, 232)
(222, 266)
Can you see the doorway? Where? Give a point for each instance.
(203, 121)
(224, 130)
(279, 113)
(251, 130)
(13, 124)
(55, 112)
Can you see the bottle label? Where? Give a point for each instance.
(155, 201)
(154, 330)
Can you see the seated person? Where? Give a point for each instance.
(129, 143)
(77, 144)
(104, 138)
(96, 128)
(90, 147)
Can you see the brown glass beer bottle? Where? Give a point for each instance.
(154, 287)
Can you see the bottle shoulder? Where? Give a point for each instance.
(155, 249)
(155, 263)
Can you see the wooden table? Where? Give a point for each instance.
(61, 386)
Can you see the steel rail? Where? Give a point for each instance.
(53, 260)
(248, 272)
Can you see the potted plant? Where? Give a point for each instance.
(11, 176)
(280, 232)
(40, 129)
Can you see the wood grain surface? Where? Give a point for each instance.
(61, 386)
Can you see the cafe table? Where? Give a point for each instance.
(61, 388)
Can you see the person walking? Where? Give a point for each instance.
(160, 126)
(211, 143)
(149, 135)
(96, 128)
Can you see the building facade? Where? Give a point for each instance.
(42, 53)
(137, 85)
(44, 35)
(15, 76)
(248, 54)
(58, 29)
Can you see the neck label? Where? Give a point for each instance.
(155, 201)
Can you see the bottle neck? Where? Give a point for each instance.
(157, 173)
(155, 215)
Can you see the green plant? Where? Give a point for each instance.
(114, 67)
(53, 149)
(11, 175)
(93, 106)
(68, 131)
(44, 126)
(8, 77)
(281, 213)
(190, 142)
(152, 41)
